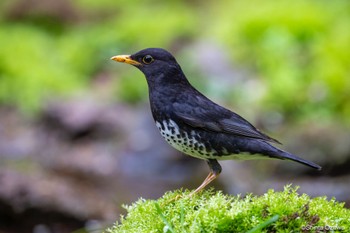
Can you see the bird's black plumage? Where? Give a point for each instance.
(194, 124)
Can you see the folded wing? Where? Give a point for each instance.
(200, 114)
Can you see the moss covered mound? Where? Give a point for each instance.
(285, 211)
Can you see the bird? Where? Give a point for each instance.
(193, 124)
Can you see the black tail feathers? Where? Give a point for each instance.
(286, 155)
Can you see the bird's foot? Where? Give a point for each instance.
(176, 198)
(193, 193)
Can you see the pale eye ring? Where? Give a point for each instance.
(148, 59)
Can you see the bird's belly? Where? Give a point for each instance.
(243, 156)
(188, 142)
(192, 143)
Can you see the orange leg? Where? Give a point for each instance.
(215, 170)
(212, 176)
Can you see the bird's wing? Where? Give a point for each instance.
(199, 113)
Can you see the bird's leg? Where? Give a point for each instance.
(215, 170)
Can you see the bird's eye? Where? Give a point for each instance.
(148, 59)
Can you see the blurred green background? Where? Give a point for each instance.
(283, 65)
(299, 50)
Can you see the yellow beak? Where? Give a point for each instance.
(126, 59)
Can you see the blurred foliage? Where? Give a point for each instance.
(300, 50)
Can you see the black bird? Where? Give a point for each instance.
(195, 125)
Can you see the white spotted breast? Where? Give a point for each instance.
(188, 143)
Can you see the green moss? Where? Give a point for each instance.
(285, 211)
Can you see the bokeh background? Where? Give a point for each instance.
(76, 135)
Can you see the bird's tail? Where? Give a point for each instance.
(280, 154)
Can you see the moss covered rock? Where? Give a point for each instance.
(285, 211)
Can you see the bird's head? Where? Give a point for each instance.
(157, 64)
